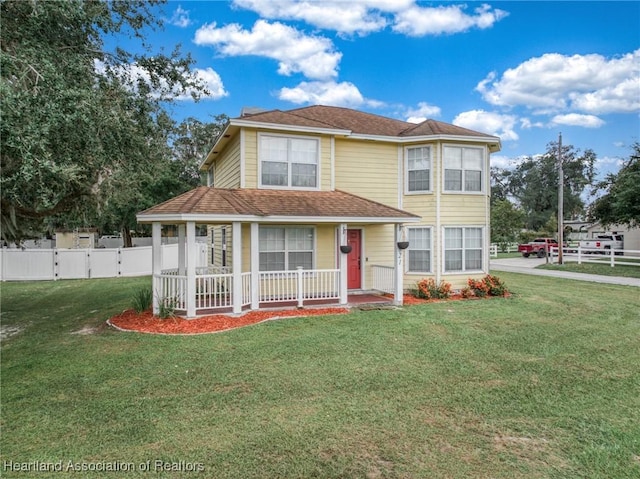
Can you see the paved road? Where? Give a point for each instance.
(527, 266)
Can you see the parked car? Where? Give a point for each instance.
(538, 247)
(604, 243)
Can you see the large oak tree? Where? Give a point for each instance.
(80, 122)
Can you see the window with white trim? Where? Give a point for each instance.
(418, 169)
(289, 162)
(463, 249)
(210, 176)
(419, 251)
(284, 249)
(463, 169)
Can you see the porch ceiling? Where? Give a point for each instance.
(204, 204)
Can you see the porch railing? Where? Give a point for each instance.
(383, 278)
(215, 291)
(298, 285)
(171, 290)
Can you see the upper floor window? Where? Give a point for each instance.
(419, 169)
(210, 176)
(463, 169)
(288, 162)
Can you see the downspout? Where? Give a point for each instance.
(439, 233)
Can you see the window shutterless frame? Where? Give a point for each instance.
(463, 249)
(288, 161)
(463, 169)
(418, 169)
(419, 255)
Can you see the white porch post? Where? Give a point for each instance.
(255, 266)
(236, 233)
(342, 235)
(181, 250)
(398, 271)
(191, 269)
(156, 264)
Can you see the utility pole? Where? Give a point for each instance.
(560, 200)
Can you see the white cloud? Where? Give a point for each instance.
(180, 18)
(366, 16)
(313, 56)
(488, 122)
(343, 17)
(576, 119)
(326, 93)
(418, 21)
(422, 112)
(526, 123)
(132, 74)
(554, 82)
(212, 82)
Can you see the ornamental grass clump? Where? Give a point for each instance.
(429, 289)
(142, 299)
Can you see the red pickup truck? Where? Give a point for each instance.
(539, 247)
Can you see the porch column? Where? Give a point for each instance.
(236, 232)
(255, 266)
(181, 250)
(191, 269)
(398, 271)
(342, 235)
(156, 264)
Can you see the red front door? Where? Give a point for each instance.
(354, 239)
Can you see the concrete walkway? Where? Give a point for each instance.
(528, 265)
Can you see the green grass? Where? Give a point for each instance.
(544, 384)
(603, 268)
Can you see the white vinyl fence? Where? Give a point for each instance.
(53, 264)
(610, 257)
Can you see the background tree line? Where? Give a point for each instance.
(524, 201)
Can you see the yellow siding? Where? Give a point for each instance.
(250, 158)
(463, 209)
(368, 169)
(227, 167)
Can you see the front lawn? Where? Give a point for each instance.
(603, 268)
(543, 384)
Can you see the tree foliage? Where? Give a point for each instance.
(621, 202)
(506, 223)
(79, 121)
(533, 184)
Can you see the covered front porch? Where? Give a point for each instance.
(247, 280)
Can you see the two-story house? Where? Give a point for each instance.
(315, 203)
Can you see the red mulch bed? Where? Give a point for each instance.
(146, 322)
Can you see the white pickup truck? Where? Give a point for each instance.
(604, 243)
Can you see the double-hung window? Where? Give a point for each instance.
(463, 248)
(418, 169)
(284, 249)
(419, 250)
(289, 162)
(463, 169)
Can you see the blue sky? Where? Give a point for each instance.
(524, 71)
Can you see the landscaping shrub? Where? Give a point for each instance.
(429, 289)
(487, 286)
